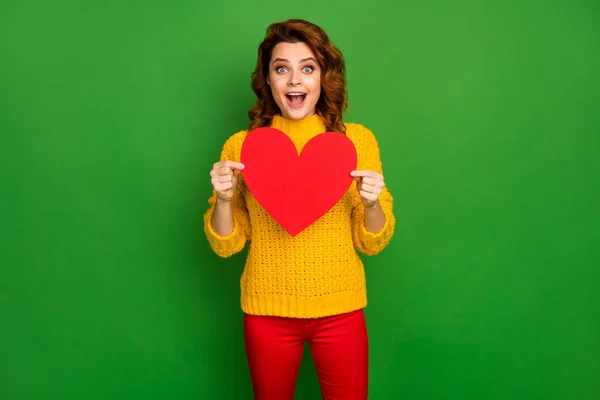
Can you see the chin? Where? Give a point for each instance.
(299, 114)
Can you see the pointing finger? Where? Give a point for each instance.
(366, 173)
(232, 165)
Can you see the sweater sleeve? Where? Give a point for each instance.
(371, 243)
(226, 246)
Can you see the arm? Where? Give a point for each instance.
(373, 220)
(226, 222)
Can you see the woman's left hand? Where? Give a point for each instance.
(370, 185)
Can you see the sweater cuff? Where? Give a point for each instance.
(225, 246)
(377, 241)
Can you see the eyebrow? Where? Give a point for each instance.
(286, 60)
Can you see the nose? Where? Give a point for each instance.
(294, 80)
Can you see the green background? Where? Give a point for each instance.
(488, 118)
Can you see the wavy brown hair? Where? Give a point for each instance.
(333, 99)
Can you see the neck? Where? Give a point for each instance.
(309, 126)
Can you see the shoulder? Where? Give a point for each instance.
(236, 139)
(366, 146)
(233, 146)
(360, 135)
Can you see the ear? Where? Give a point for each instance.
(268, 83)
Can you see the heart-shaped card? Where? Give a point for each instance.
(297, 189)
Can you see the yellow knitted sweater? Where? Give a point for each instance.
(318, 272)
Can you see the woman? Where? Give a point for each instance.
(311, 287)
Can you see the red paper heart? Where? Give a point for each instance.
(297, 190)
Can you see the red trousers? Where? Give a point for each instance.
(338, 345)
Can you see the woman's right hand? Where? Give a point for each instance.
(224, 178)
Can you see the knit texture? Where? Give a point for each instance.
(318, 272)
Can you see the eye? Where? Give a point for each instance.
(308, 69)
(280, 69)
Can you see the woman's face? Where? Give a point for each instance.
(295, 79)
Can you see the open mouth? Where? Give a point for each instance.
(296, 99)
